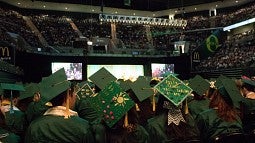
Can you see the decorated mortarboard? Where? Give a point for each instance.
(54, 84)
(30, 90)
(232, 91)
(173, 89)
(141, 87)
(199, 85)
(102, 77)
(84, 90)
(124, 84)
(249, 81)
(112, 103)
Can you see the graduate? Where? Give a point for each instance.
(117, 110)
(171, 123)
(14, 118)
(200, 100)
(59, 123)
(32, 103)
(248, 105)
(222, 116)
(10, 133)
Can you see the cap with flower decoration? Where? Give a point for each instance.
(173, 89)
(112, 103)
(102, 77)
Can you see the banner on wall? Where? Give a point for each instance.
(208, 47)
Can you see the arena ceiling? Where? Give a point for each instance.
(147, 5)
(151, 8)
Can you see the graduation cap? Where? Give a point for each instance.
(199, 85)
(219, 79)
(125, 84)
(112, 103)
(173, 89)
(142, 89)
(249, 82)
(84, 90)
(53, 85)
(231, 92)
(30, 90)
(168, 73)
(102, 77)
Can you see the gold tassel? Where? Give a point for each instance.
(153, 101)
(67, 112)
(126, 120)
(186, 111)
(137, 107)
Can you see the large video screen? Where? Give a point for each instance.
(158, 69)
(73, 70)
(119, 71)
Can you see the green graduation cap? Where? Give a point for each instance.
(53, 85)
(199, 85)
(10, 86)
(233, 92)
(173, 89)
(124, 84)
(250, 82)
(112, 103)
(168, 73)
(102, 77)
(84, 90)
(142, 89)
(30, 90)
(219, 79)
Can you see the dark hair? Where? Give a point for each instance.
(248, 87)
(61, 98)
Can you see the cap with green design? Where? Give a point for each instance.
(102, 77)
(141, 87)
(84, 90)
(231, 94)
(112, 103)
(30, 90)
(199, 85)
(173, 89)
(53, 85)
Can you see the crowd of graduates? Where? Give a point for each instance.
(110, 110)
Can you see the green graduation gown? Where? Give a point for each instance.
(248, 111)
(198, 106)
(54, 128)
(210, 125)
(8, 137)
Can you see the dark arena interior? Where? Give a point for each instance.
(156, 52)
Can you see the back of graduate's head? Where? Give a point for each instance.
(60, 99)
